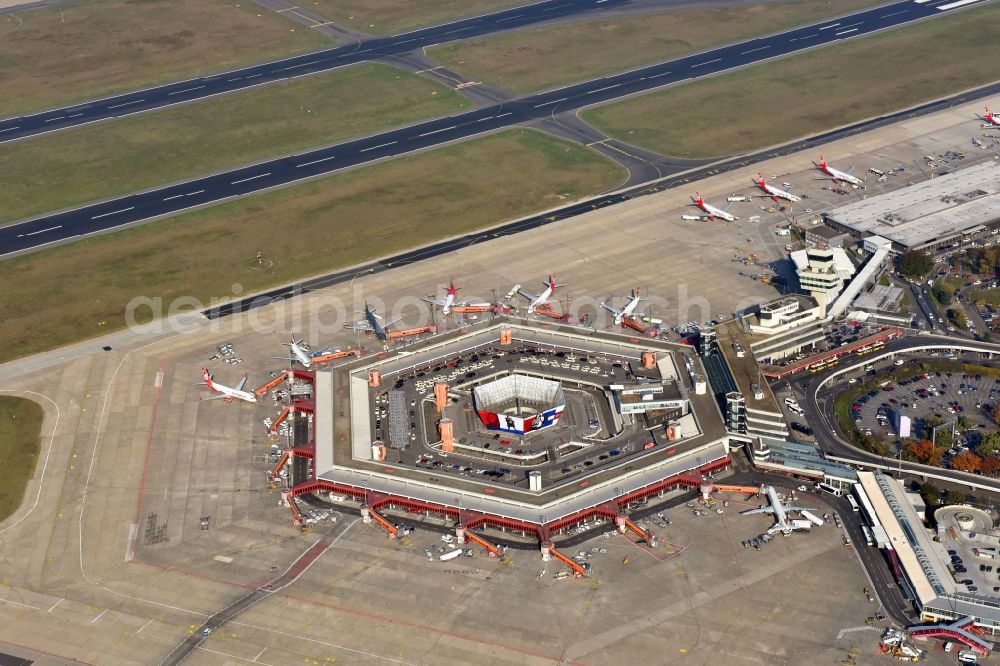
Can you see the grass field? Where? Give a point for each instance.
(58, 170)
(385, 17)
(20, 442)
(82, 50)
(831, 86)
(991, 296)
(542, 58)
(81, 290)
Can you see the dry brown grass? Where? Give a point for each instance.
(81, 290)
(832, 86)
(58, 170)
(83, 50)
(543, 58)
(20, 442)
(385, 17)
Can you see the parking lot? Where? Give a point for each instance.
(963, 398)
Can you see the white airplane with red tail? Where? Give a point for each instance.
(990, 120)
(623, 313)
(712, 211)
(227, 393)
(448, 302)
(844, 176)
(542, 299)
(773, 191)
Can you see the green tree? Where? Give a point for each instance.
(989, 444)
(930, 493)
(963, 422)
(914, 264)
(954, 497)
(957, 317)
(941, 293)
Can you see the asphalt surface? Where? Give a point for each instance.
(172, 199)
(189, 90)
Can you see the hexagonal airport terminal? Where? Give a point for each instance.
(512, 422)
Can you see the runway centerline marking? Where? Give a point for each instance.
(445, 129)
(505, 114)
(116, 106)
(114, 212)
(555, 101)
(191, 194)
(261, 175)
(894, 13)
(603, 89)
(10, 129)
(54, 119)
(656, 76)
(323, 159)
(176, 196)
(759, 48)
(845, 32)
(832, 25)
(178, 92)
(40, 231)
(707, 62)
(381, 145)
(552, 9)
(303, 64)
(509, 18)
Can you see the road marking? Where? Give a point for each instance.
(656, 76)
(286, 9)
(18, 603)
(99, 616)
(116, 106)
(505, 114)
(707, 62)
(236, 79)
(75, 115)
(486, 118)
(315, 161)
(603, 89)
(845, 32)
(759, 48)
(191, 194)
(40, 232)
(509, 18)
(254, 76)
(429, 69)
(54, 119)
(952, 5)
(53, 607)
(176, 196)
(832, 25)
(258, 654)
(851, 25)
(381, 145)
(894, 13)
(236, 182)
(178, 92)
(440, 130)
(144, 626)
(304, 64)
(114, 212)
(405, 41)
(447, 33)
(555, 101)
(10, 129)
(552, 9)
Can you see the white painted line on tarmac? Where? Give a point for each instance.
(254, 76)
(759, 48)
(405, 41)
(617, 85)
(53, 119)
(178, 92)
(445, 129)
(555, 101)
(114, 212)
(315, 161)
(18, 603)
(42, 231)
(127, 103)
(953, 5)
(381, 145)
(707, 62)
(656, 76)
(237, 182)
(832, 25)
(894, 13)
(99, 616)
(505, 114)
(552, 9)
(304, 64)
(10, 129)
(176, 196)
(509, 18)
(53, 607)
(139, 630)
(845, 32)
(236, 79)
(75, 115)
(191, 194)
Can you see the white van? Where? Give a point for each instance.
(948, 646)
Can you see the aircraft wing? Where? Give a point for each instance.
(243, 382)
(359, 326)
(763, 509)
(284, 358)
(394, 321)
(791, 507)
(526, 294)
(215, 396)
(612, 310)
(434, 301)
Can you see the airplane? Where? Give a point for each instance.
(837, 175)
(543, 298)
(227, 393)
(989, 120)
(372, 324)
(782, 522)
(712, 211)
(448, 302)
(625, 312)
(298, 353)
(773, 191)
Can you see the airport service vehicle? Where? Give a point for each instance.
(835, 174)
(782, 522)
(448, 302)
(372, 324)
(990, 120)
(712, 211)
(227, 393)
(621, 314)
(542, 299)
(854, 503)
(451, 555)
(773, 191)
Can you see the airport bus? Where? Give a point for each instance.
(827, 488)
(854, 503)
(868, 535)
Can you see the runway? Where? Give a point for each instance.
(172, 199)
(190, 90)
